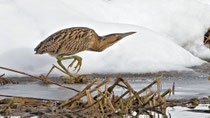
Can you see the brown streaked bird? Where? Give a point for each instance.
(206, 40)
(73, 40)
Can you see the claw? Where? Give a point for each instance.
(78, 66)
(70, 65)
(79, 63)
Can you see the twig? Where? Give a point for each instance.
(173, 88)
(162, 95)
(82, 94)
(91, 84)
(121, 96)
(35, 77)
(89, 105)
(144, 89)
(27, 97)
(2, 75)
(207, 39)
(131, 90)
(149, 99)
(110, 89)
(122, 86)
(50, 70)
(165, 93)
(9, 104)
(54, 66)
(86, 88)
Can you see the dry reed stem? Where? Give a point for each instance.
(158, 87)
(91, 84)
(9, 104)
(165, 93)
(106, 89)
(148, 94)
(207, 39)
(86, 88)
(131, 90)
(82, 94)
(50, 70)
(54, 66)
(149, 100)
(89, 97)
(27, 97)
(121, 97)
(101, 107)
(173, 88)
(122, 86)
(154, 102)
(144, 89)
(43, 78)
(83, 109)
(2, 75)
(111, 88)
(111, 105)
(161, 96)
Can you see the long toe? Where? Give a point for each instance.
(78, 66)
(72, 63)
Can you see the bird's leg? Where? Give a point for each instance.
(76, 58)
(71, 78)
(59, 59)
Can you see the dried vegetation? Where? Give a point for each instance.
(98, 99)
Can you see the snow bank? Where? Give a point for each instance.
(169, 33)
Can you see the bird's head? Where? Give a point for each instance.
(116, 36)
(122, 35)
(108, 40)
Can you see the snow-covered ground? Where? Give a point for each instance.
(169, 33)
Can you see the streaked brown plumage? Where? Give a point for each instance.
(73, 40)
(76, 39)
(207, 38)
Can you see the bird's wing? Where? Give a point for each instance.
(66, 42)
(51, 44)
(76, 42)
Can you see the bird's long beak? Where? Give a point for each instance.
(126, 34)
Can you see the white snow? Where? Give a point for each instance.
(169, 33)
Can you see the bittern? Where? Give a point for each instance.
(207, 38)
(70, 41)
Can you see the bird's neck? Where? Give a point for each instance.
(106, 41)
